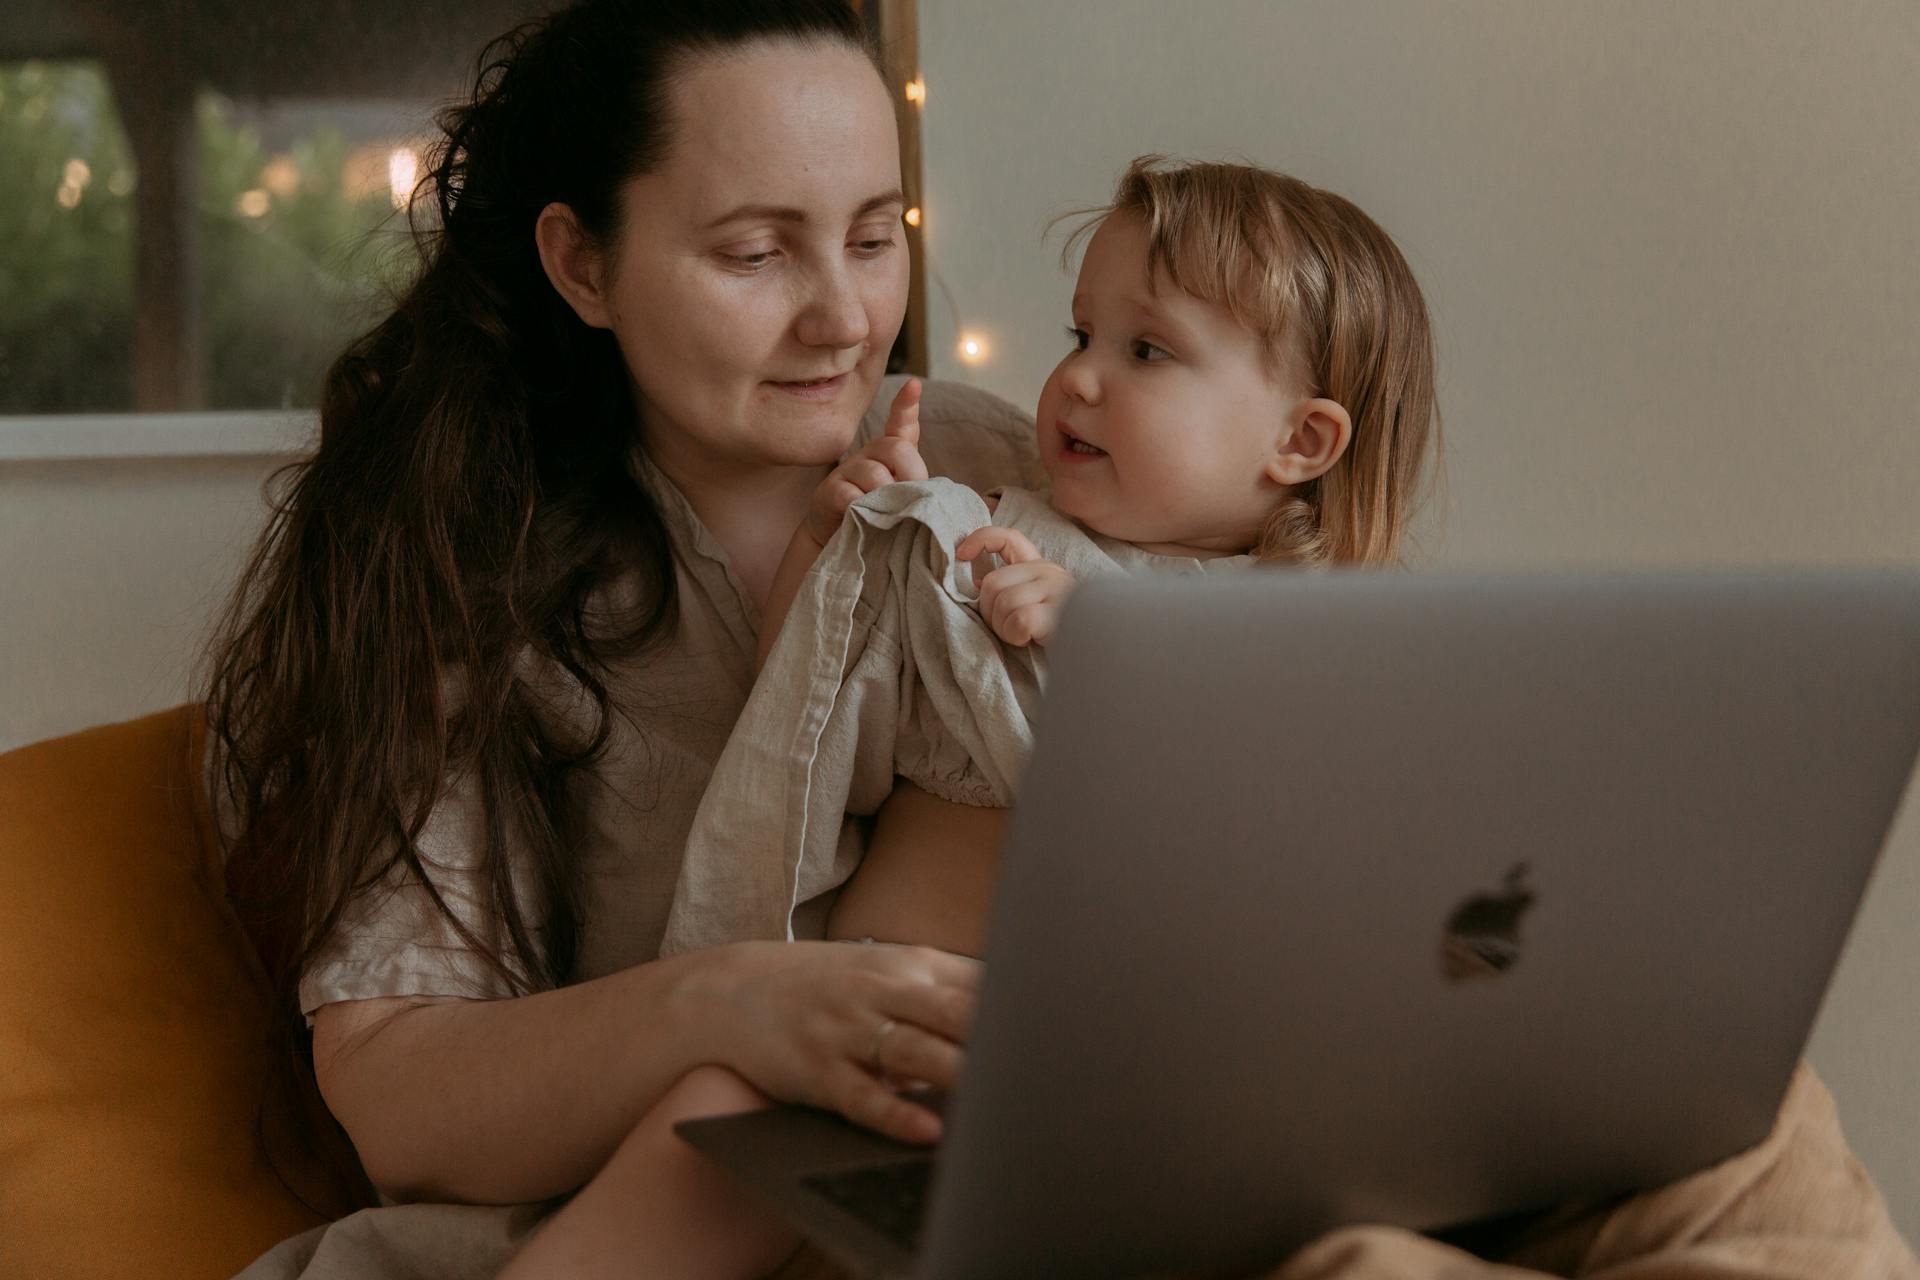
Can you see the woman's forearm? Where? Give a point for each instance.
(516, 1100)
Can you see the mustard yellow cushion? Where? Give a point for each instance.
(138, 1098)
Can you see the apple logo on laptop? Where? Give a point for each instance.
(1482, 938)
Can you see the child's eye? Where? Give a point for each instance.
(1144, 350)
(1079, 337)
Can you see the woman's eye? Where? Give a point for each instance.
(1079, 337)
(873, 248)
(750, 261)
(1144, 350)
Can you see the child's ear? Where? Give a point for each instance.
(573, 264)
(1318, 433)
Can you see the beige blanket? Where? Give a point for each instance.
(884, 668)
(1796, 1207)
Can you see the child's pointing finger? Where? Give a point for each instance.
(903, 418)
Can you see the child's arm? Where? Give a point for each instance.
(926, 875)
(894, 456)
(802, 551)
(1022, 599)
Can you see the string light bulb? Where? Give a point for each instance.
(913, 216)
(917, 92)
(403, 166)
(973, 348)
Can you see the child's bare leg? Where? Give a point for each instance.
(660, 1208)
(926, 876)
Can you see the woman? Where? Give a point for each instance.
(480, 667)
(504, 618)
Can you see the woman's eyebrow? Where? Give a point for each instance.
(780, 213)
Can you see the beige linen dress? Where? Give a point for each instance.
(676, 705)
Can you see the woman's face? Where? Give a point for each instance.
(763, 257)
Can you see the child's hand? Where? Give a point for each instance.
(1021, 600)
(894, 456)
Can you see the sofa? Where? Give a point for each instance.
(148, 1125)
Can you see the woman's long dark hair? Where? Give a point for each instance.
(470, 493)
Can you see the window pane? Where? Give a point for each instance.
(297, 231)
(302, 229)
(198, 209)
(196, 206)
(66, 242)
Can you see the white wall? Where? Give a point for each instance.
(1672, 253)
(109, 571)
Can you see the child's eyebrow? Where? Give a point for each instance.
(1143, 302)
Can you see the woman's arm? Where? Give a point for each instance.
(519, 1100)
(505, 1101)
(926, 876)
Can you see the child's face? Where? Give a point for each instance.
(1177, 397)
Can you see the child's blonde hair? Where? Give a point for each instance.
(1331, 297)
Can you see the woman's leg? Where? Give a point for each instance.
(660, 1208)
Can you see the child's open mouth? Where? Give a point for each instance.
(1075, 447)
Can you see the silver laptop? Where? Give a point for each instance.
(1388, 898)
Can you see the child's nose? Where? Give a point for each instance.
(1080, 380)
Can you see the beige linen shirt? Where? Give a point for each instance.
(674, 708)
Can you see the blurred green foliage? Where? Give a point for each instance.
(66, 274)
(292, 263)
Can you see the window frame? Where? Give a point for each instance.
(234, 433)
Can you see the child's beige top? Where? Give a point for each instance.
(675, 705)
(884, 668)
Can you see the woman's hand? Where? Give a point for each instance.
(1022, 599)
(894, 456)
(830, 1024)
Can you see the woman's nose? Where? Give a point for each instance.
(834, 315)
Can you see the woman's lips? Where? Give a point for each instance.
(825, 389)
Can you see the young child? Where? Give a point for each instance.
(1250, 381)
